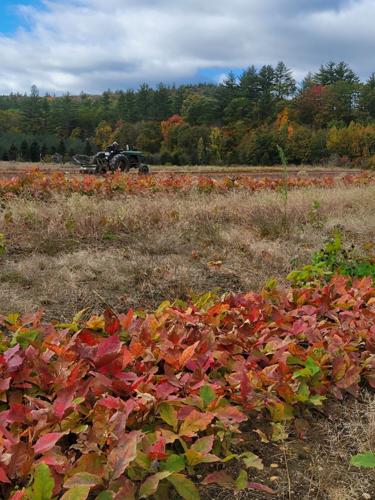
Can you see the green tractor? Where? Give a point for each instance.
(112, 159)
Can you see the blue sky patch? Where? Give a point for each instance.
(10, 16)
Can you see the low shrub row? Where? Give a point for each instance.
(126, 406)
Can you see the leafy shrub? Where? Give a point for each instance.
(38, 184)
(126, 405)
(334, 259)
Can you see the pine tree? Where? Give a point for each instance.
(34, 151)
(332, 72)
(43, 150)
(284, 83)
(33, 112)
(13, 152)
(88, 148)
(61, 148)
(24, 151)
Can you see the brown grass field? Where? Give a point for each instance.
(9, 168)
(78, 252)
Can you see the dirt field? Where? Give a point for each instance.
(77, 252)
(10, 168)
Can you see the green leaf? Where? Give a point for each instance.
(105, 495)
(76, 493)
(163, 306)
(317, 400)
(364, 460)
(312, 366)
(242, 480)
(174, 463)
(25, 338)
(207, 394)
(311, 369)
(12, 318)
(185, 488)
(252, 460)
(43, 484)
(303, 393)
(168, 414)
(150, 486)
(143, 460)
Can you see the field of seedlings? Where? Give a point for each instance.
(187, 336)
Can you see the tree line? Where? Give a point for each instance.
(330, 115)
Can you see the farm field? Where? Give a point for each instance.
(9, 168)
(107, 247)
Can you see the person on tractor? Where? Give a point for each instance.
(113, 148)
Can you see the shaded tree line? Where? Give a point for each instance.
(329, 115)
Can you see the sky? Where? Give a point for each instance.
(93, 45)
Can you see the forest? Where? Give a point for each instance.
(328, 118)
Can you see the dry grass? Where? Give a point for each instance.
(348, 430)
(21, 166)
(317, 468)
(138, 250)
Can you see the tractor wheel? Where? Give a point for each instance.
(143, 169)
(119, 162)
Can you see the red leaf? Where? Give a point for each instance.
(188, 354)
(126, 319)
(351, 377)
(127, 491)
(47, 442)
(88, 337)
(221, 478)
(124, 453)
(230, 415)
(63, 401)
(13, 360)
(165, 389)
(3, 477)
(108, 350)
(19, 495)
(157, 450)
(4, 384)
(245, 386)
(111, 321)
(110, 402)
(261, 487)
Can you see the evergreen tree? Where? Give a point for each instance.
(61, 148)
(34, 151)
(332, 73)
(284, 83)
(13, 152)
(144, 102)
(88, 148)
(43, 150)
(249, 84)
(32, 112)
(24, 151)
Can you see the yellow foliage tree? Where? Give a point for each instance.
(103, 134)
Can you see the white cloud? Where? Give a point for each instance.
(92, 45)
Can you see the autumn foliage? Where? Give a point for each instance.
(124, 404)
(38, 184)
